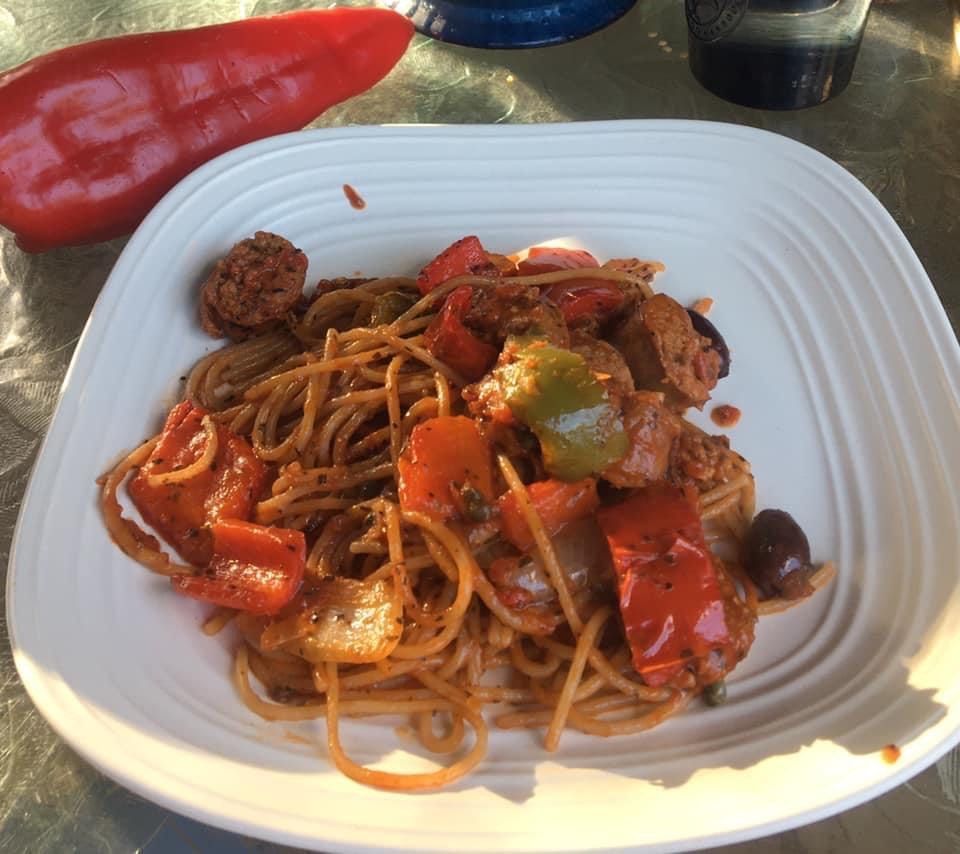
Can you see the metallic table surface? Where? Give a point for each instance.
(897, 128)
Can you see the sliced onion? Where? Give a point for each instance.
(584, 559)
(584, 556)
(342, 620)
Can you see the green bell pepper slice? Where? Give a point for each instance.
(553, 392)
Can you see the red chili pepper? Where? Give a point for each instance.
(451, 342)
(465, 256)
(670, 599)
(585, 298)
(92, 136)
(548, 259)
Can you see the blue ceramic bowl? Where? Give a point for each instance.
(510, 23)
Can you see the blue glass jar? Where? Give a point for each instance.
(510, 23)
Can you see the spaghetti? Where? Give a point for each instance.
(332, 406)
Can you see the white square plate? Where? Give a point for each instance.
(846, 370)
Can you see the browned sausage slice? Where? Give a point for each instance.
(257, 282)
(665, 353)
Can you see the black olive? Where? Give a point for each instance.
(708, 330)
(776, 556)
(715, 694)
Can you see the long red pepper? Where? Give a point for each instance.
(93, 135)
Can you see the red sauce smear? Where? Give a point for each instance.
(890, 754)
(355, 199)
(725, 415)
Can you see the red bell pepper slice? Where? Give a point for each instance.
(670, 599)
(92, 136)
(254, 568)
(549, 259)
(442, 456)
(465, 256)
(180, 512)
(577, 299)
(557, 504)
(451, 342)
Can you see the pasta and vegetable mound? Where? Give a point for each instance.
(472, 488)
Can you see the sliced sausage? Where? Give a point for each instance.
(652, 430)
(514, 309)
(665, 353)
(606, 362)
(255, 284)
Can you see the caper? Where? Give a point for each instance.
(715, 694)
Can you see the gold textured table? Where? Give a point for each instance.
(897, 128)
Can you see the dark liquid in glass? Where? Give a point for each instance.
(786, 77)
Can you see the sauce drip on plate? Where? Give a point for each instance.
(356, 200)
(725, 415)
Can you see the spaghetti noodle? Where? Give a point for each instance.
(332, 406)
